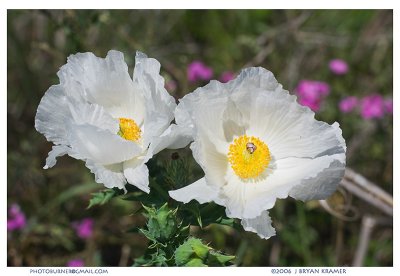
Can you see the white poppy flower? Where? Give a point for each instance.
(100, 115)
(255, 144)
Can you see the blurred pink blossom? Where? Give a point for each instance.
(197, 70)
(348, 104)
(170, 85)
(311, 93)
(84, 228)
(76, 263)
(313, 105)
(227, 76)
(338, 66)
(372, 106)
(388, 103)
(16, 219)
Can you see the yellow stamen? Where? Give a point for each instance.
(129, 130)
(248, 156)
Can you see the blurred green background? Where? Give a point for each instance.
(293, 44)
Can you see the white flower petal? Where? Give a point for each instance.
(105, 82)
(321, 186)
(212, 162)
(137, 174)
(109, 175)
(248, 199)
(234, 122)
(261, 225)
(94, 115)
(159, 104)
(102, 81)
(55, 152)
(101, 146)
(52, 114)
(289, 129)
(57, 112)
(199, 191)
(174, 137)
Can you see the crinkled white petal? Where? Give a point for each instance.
(213, 163)
(199, 191)
(55, 152)
(203, 111)
(137, 174)
(249, 199)
(174, 137)
(92, 114)
(109, 175)
(326, 182)
(261, 225)
(56, 110)
(289, 129)
(159, 104)
(52, 114)
(101, 146)
(253, 77)
(321, 186)
(56, 115)
(103, 81)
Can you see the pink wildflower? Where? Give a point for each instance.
(372, 106)
(197, 70)
(338, 66)
(84, 228)
(76, 263)
(170, 85)
(16, 219)
(388, 103)
(311, 93)
(227, 76)
(348, 104)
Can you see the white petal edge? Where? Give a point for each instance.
(110, 175)
(103, 81)
(52, 115)
(160, 105)
(101, 146)
(55, 152)
(137, 174)
(261, 225)
(247, 200)
(198, 191)
(322, 186)
(174, 137)
(190, 113)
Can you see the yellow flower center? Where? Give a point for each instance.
(248, 156)
(129, 130)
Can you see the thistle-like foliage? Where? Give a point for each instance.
(195, 253)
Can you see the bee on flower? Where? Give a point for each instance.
(255, 144)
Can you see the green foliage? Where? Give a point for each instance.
(103, 197)
(163, 225)
(205, 214)
(165, 232)
(194, 253)
(154, 259)
(177, 172)
(169, 243)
